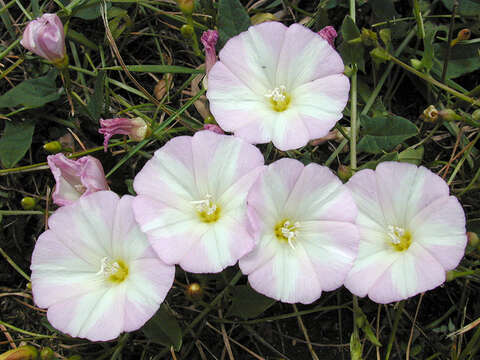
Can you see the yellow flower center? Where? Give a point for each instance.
(208, 211)
(399, 238)
(114, 271)
(287, 231)
(279, 98)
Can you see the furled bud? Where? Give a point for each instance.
(45, 37)
(187, 31)
(449, 115)
(473, 239)
(380, 55)
(262, 17)
(28, 203)
(355, 347)
(53, 147)
(209, 40)
(344, 172)
(463, 34)
(75, 178)
(416, 64)
(215, 128)
(194, 291)
(329, 34)
(26, 352)
(186, 7)
(136, 129)
(430, 114)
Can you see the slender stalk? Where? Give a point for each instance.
(15, 266)
(353, 106)
(449, 41)
(398, 314)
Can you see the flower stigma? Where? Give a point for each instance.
(288, 232)
(114, 271)
(399, 238)
(279, 98)
(207, 210)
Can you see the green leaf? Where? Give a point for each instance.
(465, 7)
(89, 10)
(15, 142)
(163, 329)
(393, 156)
(351, 53)
(232, 19)
(383, 9)
(171, 69)
(429, 49)
(96, 104)
(32, 92)
(383, 133)
(413, 156)
(464, 59)
(247, 303)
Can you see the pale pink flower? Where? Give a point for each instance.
(329, 34)
(45, 37)
(75, 178)
(136, 129)
(302, 218)
(411, 232)
(277, 83)
(209, 40)
(95, 271)
(191, 200)
(212, 127)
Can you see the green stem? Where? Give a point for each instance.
(398, 314)
(37, 336)
(15, 266)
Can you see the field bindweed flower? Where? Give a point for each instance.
(277, 83)
(136, 129)
(209, 40)
(75, 178)
(45, 37)
(192, 200)
(95, 271)
(302, 218)
(411, 232)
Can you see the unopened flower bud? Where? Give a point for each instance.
(348, 71)
(45, 37)
(355, 347)
(187, 31)
(329, 34)
(28, 203)
(262, 17)
(215, 128)
(369, 37)
(209, 40)
(449, 115)
(194, 291)
(136, 129)
(210, 120)
(476, 115)
(416, 64)
(463, 34)
(473, 239)
(47, 354)
(53, 147)
(344, 172)
(380, 55)
(27, 352)
(360, 320)
(186, 7)
(430, 114)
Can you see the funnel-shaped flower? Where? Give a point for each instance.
(411, 232)
(136, 129)
(192, 200)
(75, 178)
(95, 270)
(278, 83)
(45, 37)
(303, 221)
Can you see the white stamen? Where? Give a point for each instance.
(290, 232)
(278, 94)
(206, 205)
(395, 234)
(107, 267)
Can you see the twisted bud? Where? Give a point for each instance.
(45, 37)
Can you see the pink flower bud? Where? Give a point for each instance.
(215, 128)
(136, 129)
(329, 34)
(75, 178)
(45, 37)
(209, 40)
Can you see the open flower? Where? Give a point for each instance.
(136, 129)
(278, 83)
(95, 270)
(75, 178)
(303, 222)
(45, 37)
(192, 200)
(411, 232)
